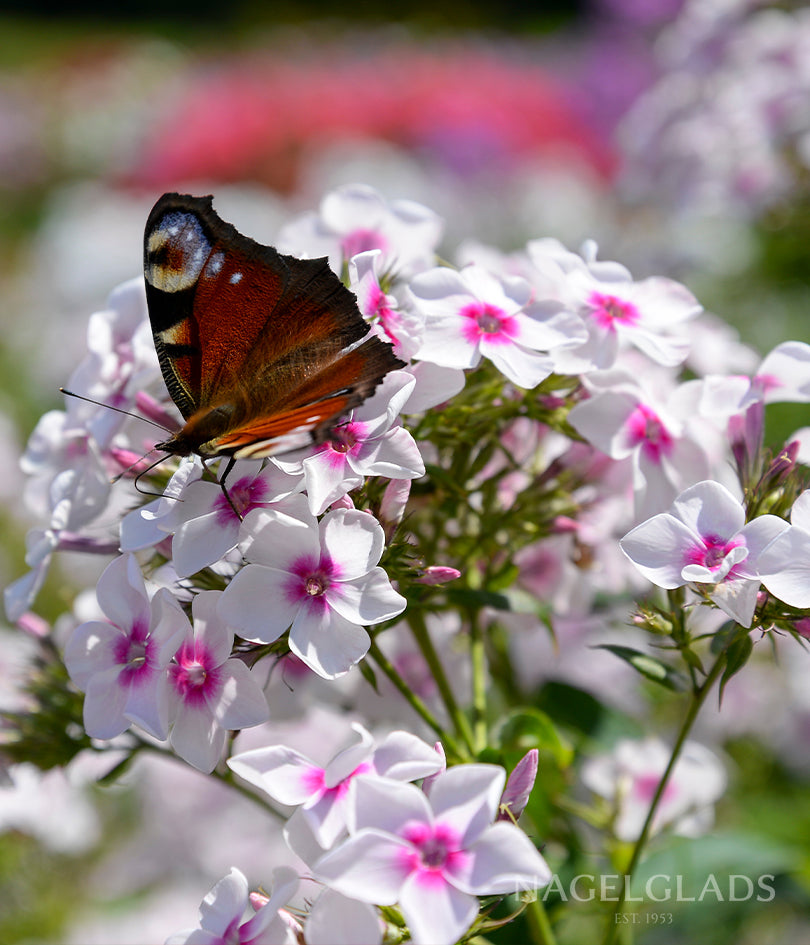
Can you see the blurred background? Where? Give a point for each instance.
(675, 133)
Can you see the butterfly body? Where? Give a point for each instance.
(261, 352)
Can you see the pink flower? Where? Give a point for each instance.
(615, 310)
(473, 314)
(222, 912)
(319, 579)
(433, 855)
(122, 665)
(704, 539)
(354, 219)
(321, 793)
(372, 442)
(629, 777)
(660, 435)
(204, 521)
(402, 328)
(211, 694)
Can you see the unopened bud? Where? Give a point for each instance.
(515, 796)
(437, 574)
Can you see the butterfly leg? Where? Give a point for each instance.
(228, 468)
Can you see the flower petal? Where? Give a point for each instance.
(436, 912)
(368, 600)
(370, 866)
(256, 603)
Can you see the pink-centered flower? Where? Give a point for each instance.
(222, 914)
(202, 518)
(704, 539)
(211, 693)
(320, 580)
(473, 314)
(629, 777)
(615, 310)
(432, 854)
(401, 327)
(123, 665)
(356, 219)
(659, 434)
(321, 793)
(371, 442)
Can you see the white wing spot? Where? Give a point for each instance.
(235, 277)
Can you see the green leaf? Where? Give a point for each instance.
(524, 729)
(737, 656)
(648, 666)
(471, 599)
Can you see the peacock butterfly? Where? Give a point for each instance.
(261, 352)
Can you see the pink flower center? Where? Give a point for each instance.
(435, 851)
(646, 429)
(133, 653)
(645, 786)
(245, 494)
(608, 311)
(361, 240)
(485, 321)
(713, 552)
(343, 438)
(195, 674)
(346, 440)
(310, 580)
(316, 585)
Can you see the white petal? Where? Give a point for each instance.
(225, 902)
(659, 547)
(369, 866)
(368, 600)
(436, 912)
(708, 508)
(256, 603)
(328, 643)
(503, 860)
(241, 703)
(104, 702)
(337, 920)
(202, 541)
(387, 805)
(121, 593)
(280, 771)
(521, 366)
(196, 737)
(274, 538)
(404, 757)
(784, 567)
(467, 797)
(354, 540)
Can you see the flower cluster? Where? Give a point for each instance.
(542, 451)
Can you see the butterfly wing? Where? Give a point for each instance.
(260, 351)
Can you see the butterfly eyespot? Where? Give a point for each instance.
(176, 251)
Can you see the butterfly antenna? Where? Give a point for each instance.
(126, 413)
(143, 472)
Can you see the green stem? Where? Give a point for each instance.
(449, 743)
(479, 684)
(696, 702)
(539, 925)
(461, 724)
